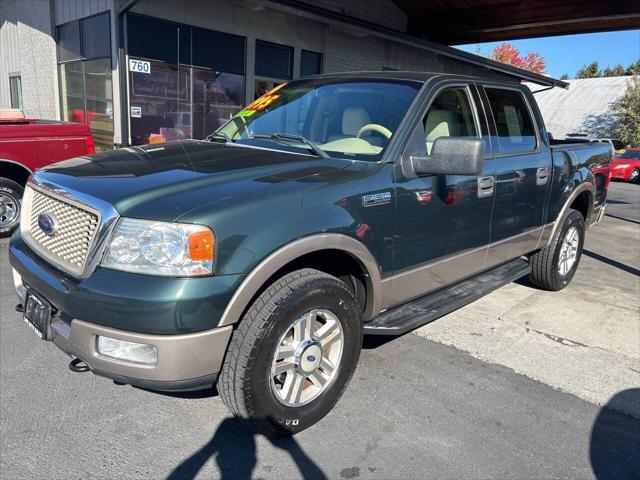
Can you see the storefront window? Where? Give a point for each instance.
(99, 103)
(86, 89)
(160, 108)
(217, 97)
(72, 90)
(194, 83)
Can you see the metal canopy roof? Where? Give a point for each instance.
(331, 17)
(473, 21)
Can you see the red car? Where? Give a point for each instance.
(627, 165)
(26, 145)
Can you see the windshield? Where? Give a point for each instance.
(633, 154)
(342, 118)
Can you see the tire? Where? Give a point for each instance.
(634, 176)
(247, 383)
(547, 269)
(10, 198)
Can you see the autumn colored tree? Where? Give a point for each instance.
(507, 53)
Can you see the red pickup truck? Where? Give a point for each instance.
(26, 145)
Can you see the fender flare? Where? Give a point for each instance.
(583, 187)
(294, 250)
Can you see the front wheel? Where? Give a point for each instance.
(553, 267)
(293, 353)
(634, 176)
(10, 197)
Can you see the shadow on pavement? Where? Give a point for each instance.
(615, 440)
(613, 263)
(621, 218)
(234, 447)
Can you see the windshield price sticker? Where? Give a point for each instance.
(261, 103)
(139, 66)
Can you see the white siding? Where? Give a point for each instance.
(582, 108)
(29, 49)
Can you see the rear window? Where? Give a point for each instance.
(515, 127)
(631, 154)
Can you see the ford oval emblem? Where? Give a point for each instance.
(47, 223)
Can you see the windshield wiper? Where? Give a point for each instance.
(289, 136)
(215, 136)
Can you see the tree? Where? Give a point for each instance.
(617, 71)
(507, 53)
(634, 68)
(565, 76)
(589, 71)
(627, 112)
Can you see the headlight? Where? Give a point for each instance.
(160, 248)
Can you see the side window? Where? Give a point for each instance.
(450, 115)
(513, 121)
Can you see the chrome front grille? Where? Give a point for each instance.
(69, 246)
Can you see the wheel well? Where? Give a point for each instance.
(338, 263)
(582, 204)
(15, 172)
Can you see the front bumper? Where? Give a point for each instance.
(179, 317)
(186, 361)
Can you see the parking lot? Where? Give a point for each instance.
(521, 384)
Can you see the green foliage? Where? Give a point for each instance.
(590, 71)
(627, 112)
(617, 71)
(593, 70)
(565, 76)
(634, 68)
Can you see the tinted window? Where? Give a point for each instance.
(218, 51)
(96, 36)
(515, 128)
(450, 115)
(69, 41)
(273, 60)
(310, 63)
(152, 39)
(632, 154)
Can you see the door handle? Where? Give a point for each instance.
(486, 186)
(542, 176)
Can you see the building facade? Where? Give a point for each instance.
(144, 71)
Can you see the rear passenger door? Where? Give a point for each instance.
(522, 169)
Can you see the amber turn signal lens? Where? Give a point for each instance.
(201, 245)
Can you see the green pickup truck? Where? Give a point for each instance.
(331, 207)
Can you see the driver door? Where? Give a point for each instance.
(442, 221)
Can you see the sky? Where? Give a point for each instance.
(567, 54)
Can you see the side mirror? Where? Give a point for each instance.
(451, 156)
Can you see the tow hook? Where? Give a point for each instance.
(77, 365)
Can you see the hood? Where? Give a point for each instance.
(165, 181)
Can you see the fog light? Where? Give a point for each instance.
(128, 351)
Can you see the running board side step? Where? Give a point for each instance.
(402, 319)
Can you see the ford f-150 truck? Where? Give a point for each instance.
(330, 207)
(26, 145)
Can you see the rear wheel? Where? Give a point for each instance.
(634, 176)
(10, 196)
(553, 267)
(293, 353)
